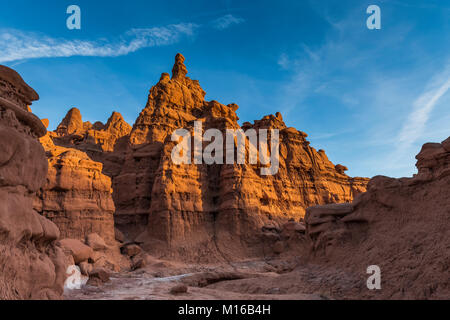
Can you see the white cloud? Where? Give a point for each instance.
(16, 45)
(284, 61)
(226, 22)
(349, 74)
(422, 108)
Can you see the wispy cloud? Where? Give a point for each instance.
(17, 45)
(284, 61)
(226, 21)
(356, 78)
(422, 108)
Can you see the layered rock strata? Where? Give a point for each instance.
(202, 211)
(76, 195)
(214, 211)
(399, 225)
(105, 143)
(31, 265)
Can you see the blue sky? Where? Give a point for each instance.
(369, 98)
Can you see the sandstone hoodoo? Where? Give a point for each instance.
(111, 198)
(105, 143)
(400, 225)
(218, 210)
(201, 211)
(77, 196)
(31, 265)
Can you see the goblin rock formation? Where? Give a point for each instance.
(215, 210)
(31, 265)
(105, 143)
(401, 225)
(201, 211)
(76, 196)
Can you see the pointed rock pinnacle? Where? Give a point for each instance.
(179, 70)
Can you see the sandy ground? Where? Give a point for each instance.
(247, 280)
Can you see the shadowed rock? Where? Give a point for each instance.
(400, 225)
(31, 265)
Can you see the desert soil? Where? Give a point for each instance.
(246, 280)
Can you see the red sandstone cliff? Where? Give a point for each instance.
(105, 143)
(401, 225)
(211, 211)
(31, 265)
(77, 196)
(201, 211)
(206, 212)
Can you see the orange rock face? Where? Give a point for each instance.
(77, 196)
(105, 143)
(201, 211)
(400, 225)
(31, 265)
(214, 211)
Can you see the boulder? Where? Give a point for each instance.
(100, 274)
(85, 268)
(119, 236)
(138, 263)
(279, 247)
(79, 251)
(131, 250)
(179, 289)
(96, 242)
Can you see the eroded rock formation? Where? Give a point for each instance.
(400, 225)
(31, 265)
(201, 211)
(76, 195)
(105, 143)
